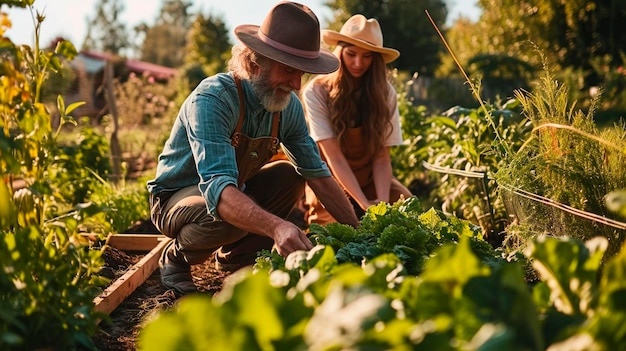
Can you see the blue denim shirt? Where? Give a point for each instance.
(199, 151)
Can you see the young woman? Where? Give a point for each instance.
(353, 116)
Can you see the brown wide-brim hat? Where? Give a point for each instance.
(290, 34)
(364, 33)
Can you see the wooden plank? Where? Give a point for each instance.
(129, 242)
(135, 242)
(122, 287)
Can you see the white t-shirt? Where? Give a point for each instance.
(315, 100)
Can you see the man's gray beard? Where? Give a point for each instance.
(265, 93)
(274, 104)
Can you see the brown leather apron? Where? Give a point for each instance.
(252, 153)
(361, 165)
(356, 155)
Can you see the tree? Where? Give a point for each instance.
(581, 30)
(105, 31)
(405, 27)
(207, 50)
(572, 34)
(164, 42)
(497, 57)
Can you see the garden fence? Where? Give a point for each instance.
(542, 214)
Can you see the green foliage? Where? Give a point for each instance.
(343, 233)
(317, 303)
(583, 307)
(47, 288)
(58, 83)
(164, 42)
(402, 229)
(220, 324)
(500, 74)
(612, 86)
(80, 165)
(106, 31)
(208, 47)
(407, 158)
(461, 139)
(505, 26)
(120, 206)
(48, 279)
(29, 142)
(79, 179)
(567, 32)
(583, 262)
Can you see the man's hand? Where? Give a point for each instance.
(289, 238)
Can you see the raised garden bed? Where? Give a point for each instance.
(136, 294)
(137, 274)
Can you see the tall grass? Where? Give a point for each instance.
(557, 182)
(567, 162)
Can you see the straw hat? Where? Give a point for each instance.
(364, 33)
(290, 34)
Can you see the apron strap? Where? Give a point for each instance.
(275, 125)
(234, 140)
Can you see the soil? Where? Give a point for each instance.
(121, 332)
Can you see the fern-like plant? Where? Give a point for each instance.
(556, 183)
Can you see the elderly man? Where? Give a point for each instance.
(215, 193)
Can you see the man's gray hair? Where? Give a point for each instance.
(244, 60)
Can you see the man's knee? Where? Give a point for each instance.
(179, 216)
(199, 230)
(286, 176)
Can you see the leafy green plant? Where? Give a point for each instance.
(48, 278)
(463, 140)
(402, 229)
(537, 165)
(121, 206)
(47, 287)
(406, 159)
(80, 164)
(311, 301)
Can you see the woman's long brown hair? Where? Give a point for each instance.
(365, 103)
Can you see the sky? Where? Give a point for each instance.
(68, 18)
